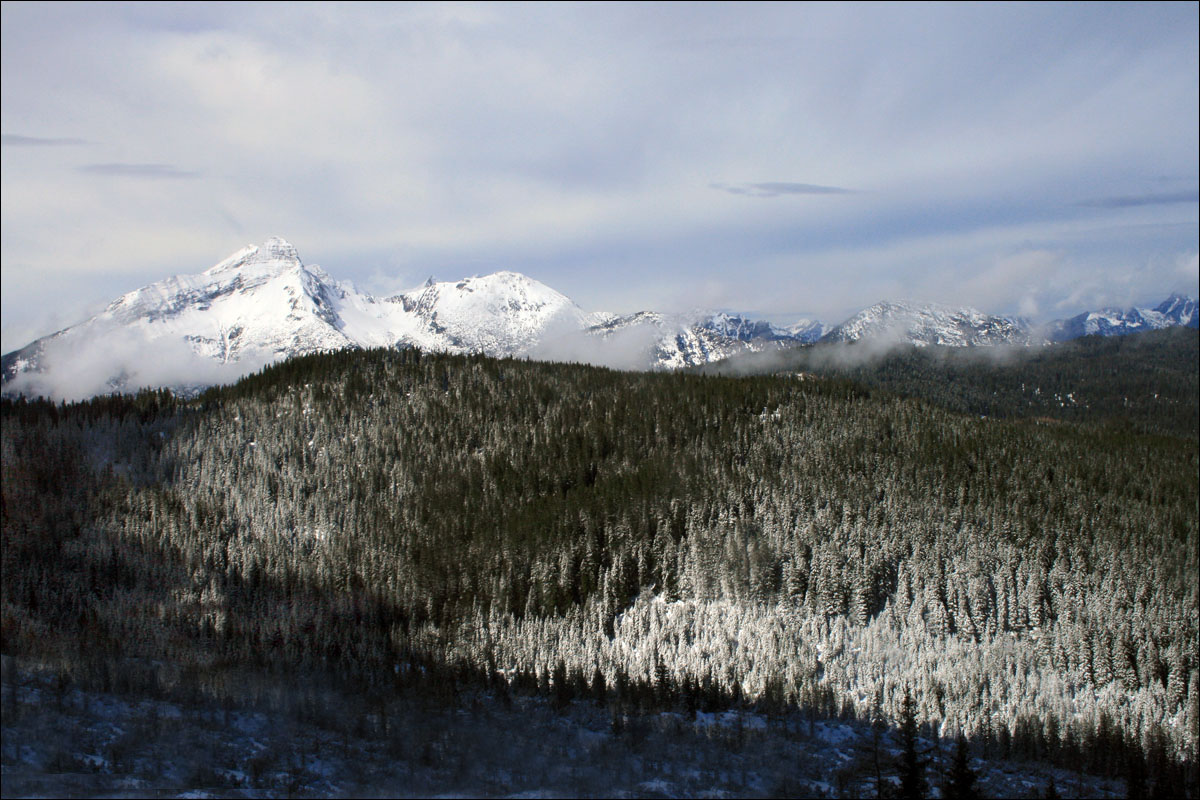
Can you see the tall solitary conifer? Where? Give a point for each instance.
(912, 763)
(961, 785)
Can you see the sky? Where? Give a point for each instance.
(784, 160)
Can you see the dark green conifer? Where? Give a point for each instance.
(912, 762)
(961, 783)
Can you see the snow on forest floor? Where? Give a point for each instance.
(71, 743)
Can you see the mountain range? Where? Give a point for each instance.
(1175, 310)
(264, 304)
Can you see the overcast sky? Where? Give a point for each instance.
(783, 159)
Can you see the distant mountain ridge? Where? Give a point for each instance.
(932, 324)
(1175, 310)
(264, 304)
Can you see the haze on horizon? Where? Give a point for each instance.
(783, 159)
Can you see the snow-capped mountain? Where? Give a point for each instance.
(733, 326)
(259, 305)
(929, 324)
(805, 330)
(263, 304)
(504, 313)
(261, 301)
(674, 341)
(1175, 310)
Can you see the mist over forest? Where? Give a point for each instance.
(1136, 381)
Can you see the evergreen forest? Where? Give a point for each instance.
(923, 538)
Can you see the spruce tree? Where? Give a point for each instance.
(961, 785)
(560, 686)
(912, 763)
(1135, 779)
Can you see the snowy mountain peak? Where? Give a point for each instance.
(279, 247)
(275, 255)
(1177, 309)
(806, 330)
(513, 285)
(501, 313)
(742, 328)
(929, 324)
(1180, 308)
(503, 292)
(243, 274)
(257, 306)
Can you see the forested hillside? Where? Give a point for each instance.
(1144, 381)
(679, 540)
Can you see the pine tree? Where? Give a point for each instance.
(1135, 777)
(599, 687)
(961, 785)
(560, 686)
(912, 763)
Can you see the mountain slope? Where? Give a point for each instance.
(377, 513)
(1145, 381)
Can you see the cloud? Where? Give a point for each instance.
(629, 347)
(1156, 199)
(151, 171)
(106, 359)
(722, 42)
(1188, 268)
(570, 143)
(17, 140)
(234, 223)
(1012, 281)
(777, 188)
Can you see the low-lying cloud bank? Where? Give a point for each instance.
(627, 348)
(76, 367)
(841, 356)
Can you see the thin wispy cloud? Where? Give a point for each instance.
(17, 140)
(1157, 199)
(730, 42)
(152, 171)
(778, 188)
